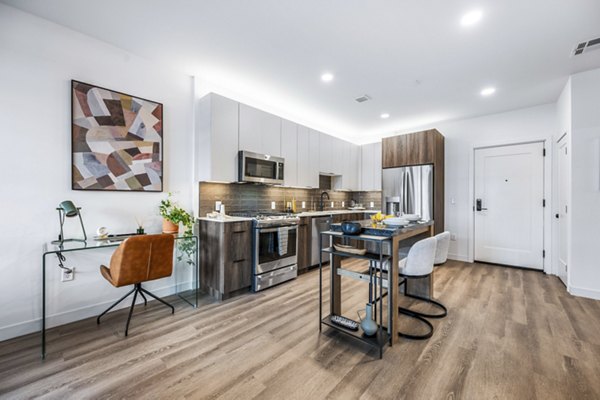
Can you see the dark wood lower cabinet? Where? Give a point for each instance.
(304, 243)
(225, 257)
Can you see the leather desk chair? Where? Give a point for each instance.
(139, 259)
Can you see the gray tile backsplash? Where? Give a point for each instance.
(239, 197)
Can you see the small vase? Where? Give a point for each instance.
(367, 324)
(169, 227)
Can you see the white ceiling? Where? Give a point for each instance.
(412, 57)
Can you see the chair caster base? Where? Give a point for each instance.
(137, 289)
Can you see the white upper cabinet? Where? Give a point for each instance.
(377, 164)
(225, 126)
(338, 147)
(331, 152)
(260, 131)
(308, 157)
(217, 145)
(350, 174)
(289, 151)
(325, 153)
(370, 167)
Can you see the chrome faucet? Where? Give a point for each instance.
(322, 203)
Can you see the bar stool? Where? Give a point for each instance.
(441, 256)
(417, 264)
(441, 249)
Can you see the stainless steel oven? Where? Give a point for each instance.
(275, 252)
(262, 168)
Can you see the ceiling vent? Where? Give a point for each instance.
(584, 47)
(363, 98)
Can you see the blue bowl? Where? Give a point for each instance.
(351, 228)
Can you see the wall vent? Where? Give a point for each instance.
(584, 47)
(363, 98)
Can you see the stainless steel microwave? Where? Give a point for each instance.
(262, 168)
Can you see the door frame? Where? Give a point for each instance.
(548, 265)
(556, 236)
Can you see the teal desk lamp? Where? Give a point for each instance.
(67, 209)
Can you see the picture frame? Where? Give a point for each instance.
(116, 140)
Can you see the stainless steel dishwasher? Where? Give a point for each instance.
(319, 224)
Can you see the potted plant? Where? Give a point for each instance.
(173, 215)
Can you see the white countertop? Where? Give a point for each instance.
(229, 218)
(334, 212)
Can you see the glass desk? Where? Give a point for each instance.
(185, 252)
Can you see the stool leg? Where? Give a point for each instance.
(131, 309)
(144, 297)
(411, 314)
(159, 299)
(431, 301)
(114, 304)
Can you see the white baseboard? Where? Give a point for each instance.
(457, 257)
(35, 325)
(583, 292)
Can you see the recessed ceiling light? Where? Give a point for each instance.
(488, 91)
(327, 77)
(385, 116)
(471, 18)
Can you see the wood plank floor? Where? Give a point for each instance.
(510, 334)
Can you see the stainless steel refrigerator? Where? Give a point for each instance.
(408, 190)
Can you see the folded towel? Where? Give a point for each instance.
(282, 237)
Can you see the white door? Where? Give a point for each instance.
(508, 205)
(563, 190)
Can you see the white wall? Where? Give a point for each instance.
(38, 60)
(461, 137)
(584, 268)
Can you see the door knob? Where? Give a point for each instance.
(478, 206)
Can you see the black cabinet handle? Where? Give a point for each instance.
(557, 216)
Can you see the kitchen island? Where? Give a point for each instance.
(392, 236)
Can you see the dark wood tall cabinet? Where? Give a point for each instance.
(420, 148)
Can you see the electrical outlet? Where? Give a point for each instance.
(273, 205)
(372, 204)
(67, 276)
(343, 202)
(453, 236)
(332, 204)
(303, 204)
(217, 206)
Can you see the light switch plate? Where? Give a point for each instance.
(343, 202)
(273, 205)
(453, 236)
(332, 204)
(218, 206)
(372, 204)
(303, 204)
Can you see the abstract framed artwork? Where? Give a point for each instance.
(117, 141)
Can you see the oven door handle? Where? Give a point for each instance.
(281, 228)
